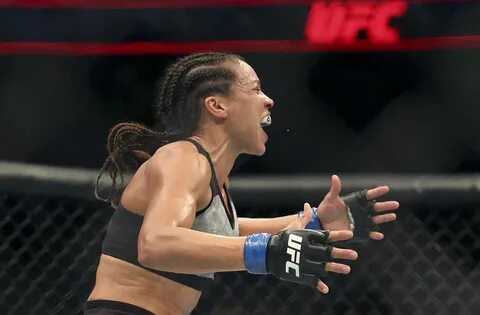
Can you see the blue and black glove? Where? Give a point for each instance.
(298, 256)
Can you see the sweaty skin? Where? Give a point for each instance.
(120, 281)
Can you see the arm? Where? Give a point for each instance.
(176, 180)
(174, 186)
(275, 225)
(269, 225)
(249, 226)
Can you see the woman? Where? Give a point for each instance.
(175, 224)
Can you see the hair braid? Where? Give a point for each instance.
(171, 77)
(180, 94)
(173, 84)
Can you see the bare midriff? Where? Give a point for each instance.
(121, 281)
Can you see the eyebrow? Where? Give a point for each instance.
(249, 83)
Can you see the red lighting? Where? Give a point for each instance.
(331, 25)
(258, 46)
(341, 22)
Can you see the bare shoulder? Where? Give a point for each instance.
(179, 160)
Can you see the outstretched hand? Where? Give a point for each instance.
(333, 215)
(337, 253)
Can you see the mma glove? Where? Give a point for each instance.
(298, 256)
(360, 212)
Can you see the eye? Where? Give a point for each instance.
(257, 89)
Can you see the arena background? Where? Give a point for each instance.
(379, 92)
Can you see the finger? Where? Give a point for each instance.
(386, 206)
(377, 192)
(322, 287)
(340, 253)
(378, 219)
(336, 186)
(337, 268)
(376, 236)
(343, 235)
(307, 215)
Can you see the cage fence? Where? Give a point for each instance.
(52, 228)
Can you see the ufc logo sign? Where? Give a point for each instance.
(341, 22)
(293, 249)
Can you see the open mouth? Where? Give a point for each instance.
(266, 121)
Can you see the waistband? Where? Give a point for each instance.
(117, 305)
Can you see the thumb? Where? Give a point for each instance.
(336, 186)
(307, 214)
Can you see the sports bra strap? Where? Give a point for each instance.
(213, 181)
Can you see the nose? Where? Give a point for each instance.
(269, 103)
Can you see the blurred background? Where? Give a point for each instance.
(370, 90)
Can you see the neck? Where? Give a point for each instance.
(221, 152)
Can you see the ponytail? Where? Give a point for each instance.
(129, 145)
(179, 100)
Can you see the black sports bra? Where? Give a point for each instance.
(123, 230)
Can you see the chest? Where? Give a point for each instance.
(215, 220)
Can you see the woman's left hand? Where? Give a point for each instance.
(332, 211)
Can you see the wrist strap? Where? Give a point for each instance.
(314, 223)
(255, 253)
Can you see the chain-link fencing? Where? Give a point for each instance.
(428, 263)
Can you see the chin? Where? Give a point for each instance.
(262, 152)
(259, 150)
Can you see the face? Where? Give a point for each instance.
(247, 105)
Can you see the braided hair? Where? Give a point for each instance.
(179, 97)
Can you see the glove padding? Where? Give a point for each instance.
(299, 256)
(360, 214)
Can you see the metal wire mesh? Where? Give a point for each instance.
(49, 252)
(429, 264)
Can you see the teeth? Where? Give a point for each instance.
(266, 121)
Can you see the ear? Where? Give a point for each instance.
(216, 106)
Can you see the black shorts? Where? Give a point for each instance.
(106, 307)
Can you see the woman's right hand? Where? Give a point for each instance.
(321, 247)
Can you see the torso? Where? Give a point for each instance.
(121, 281)
(117, 280)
